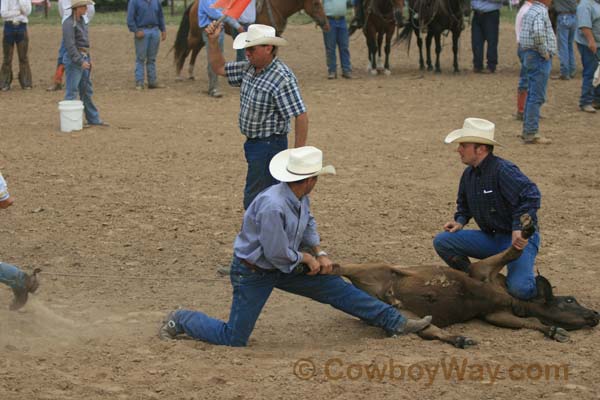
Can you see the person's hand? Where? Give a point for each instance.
(86, 65)
(213, 30)
(453, 226)
(163, 35)
(593, 47)
(326, 265)
(241, 29)
(517, 240)
(311, 263)
(139, 34)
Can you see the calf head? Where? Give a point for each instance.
(562, 311)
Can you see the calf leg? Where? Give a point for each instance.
(432, 332)
(506, 319)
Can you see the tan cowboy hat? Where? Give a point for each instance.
(81, 3)
(256, 35)
(474, 130)
(300, 163)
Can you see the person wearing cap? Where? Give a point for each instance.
(20, 282)
(278, 236)
(269, 99)
(538, 45)
(206, 15)
(78, 63)
(495, 193)
(14, 14)
(146, 21)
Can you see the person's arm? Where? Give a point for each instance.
(5, 199)
(69, 40)
(215, 57)
(522, 194)
(161, 22)
(301, 130)
(131, 24)
(91, 11)
(539, 36)
(25, 7)
(463, 213)
(6, 13)
(589, 36)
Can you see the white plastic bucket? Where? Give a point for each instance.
(71, 115)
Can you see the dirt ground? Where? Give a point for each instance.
(132, 221)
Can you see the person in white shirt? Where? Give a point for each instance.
(14, 15)
(64, 9)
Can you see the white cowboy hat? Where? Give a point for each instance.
(474, 130)
(81, 3)
(258, 34)
(300, 163)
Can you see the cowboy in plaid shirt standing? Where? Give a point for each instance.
(269, 98)
(538, 43)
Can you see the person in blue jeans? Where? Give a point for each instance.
(495, 193)
(523, 85)
(269, 99)
(78, 63)
(587, 39)
(566, 25)
(20, 282)
(279, 236)
(538, 44)
(337, 36)
(146, 21)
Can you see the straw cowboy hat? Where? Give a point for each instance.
(256, 35)
(474, 130)
(300, 163)
(81, 3)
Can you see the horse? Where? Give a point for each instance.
(437, 16)
(268, 12)
(381, 18)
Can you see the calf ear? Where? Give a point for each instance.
(544, 289)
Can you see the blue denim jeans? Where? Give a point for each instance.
(213, 81)
(538, 72)
(484, 28)
(523, 83)
(146, 50)
(251, 291)
(566, 25)
(454, 247)
(11, 276)
(337, 37)
(259, 153)
(589, 93)
(79, 81)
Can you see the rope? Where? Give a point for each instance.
(121, 277)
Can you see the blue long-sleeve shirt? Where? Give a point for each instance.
(145, 13)
(486, 5)
(207, 14)
(276, 225)
(496, 193)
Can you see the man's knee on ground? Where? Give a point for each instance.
(523, 289)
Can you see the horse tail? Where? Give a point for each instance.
(181, 40)
(406, 33)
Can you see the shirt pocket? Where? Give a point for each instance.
(259, 107)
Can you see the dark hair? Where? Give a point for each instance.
(490, 148)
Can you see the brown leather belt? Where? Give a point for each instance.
(255, 268)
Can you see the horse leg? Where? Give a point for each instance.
(455, 36)
(388, 47)
(438, 50)
(196, 45)
(420, 44)
(372, 49)
(428, 49)
(379, 47)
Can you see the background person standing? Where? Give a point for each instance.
(14, 14)
(145, 19)
(566, 25)
(587, 38)
(484, 28)
(337, 36)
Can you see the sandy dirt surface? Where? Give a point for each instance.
(132, 221)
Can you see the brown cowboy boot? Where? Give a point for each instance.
(521, 99)
(30, 285)
(58, 76)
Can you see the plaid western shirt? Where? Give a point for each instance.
(536, 31)
(496, 193)
(268, 100)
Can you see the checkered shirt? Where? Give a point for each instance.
(536, 31)
(268, 100)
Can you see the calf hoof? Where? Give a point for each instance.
(372, 72)
(558, 334)
(463, 342)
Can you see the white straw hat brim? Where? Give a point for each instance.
(241, 41)
(468, 136)
(279, 171)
